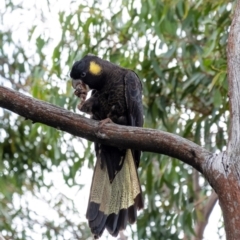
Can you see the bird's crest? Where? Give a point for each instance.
(94, 68)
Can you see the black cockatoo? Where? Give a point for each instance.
(115, 193)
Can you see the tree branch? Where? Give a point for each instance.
(111, 134)
(224, 168)
(233, 50)
(206, 211)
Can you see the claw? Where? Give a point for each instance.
(81, 91)
(103, 122)
(100, 125)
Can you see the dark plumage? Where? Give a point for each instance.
(115, 193)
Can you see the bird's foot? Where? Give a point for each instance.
(103, 122)
(81, 92)
(100, 125)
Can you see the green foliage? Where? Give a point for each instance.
(178, 48)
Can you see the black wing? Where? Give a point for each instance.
(133, 95)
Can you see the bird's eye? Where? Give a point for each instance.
(83, 74)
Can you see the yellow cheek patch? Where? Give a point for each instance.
(95, 68)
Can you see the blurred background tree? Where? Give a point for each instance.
(178, 49)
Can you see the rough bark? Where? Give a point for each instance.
(223, 170)
(220, 172)
(111, 134)
(229, 195)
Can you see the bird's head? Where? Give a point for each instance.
(88, 70)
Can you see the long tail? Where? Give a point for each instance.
(112, 205)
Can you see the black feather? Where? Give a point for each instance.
(111, 223)
(117, 94)
(92, 211)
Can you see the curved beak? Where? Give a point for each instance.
(76, 82)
